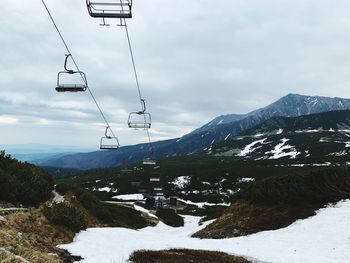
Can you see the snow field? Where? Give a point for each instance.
(324, 238)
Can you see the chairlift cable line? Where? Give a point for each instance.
(78, 69)
(137, 79)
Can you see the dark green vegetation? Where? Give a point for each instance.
(278, 201)
(184, 256)
(110, 214)
(67, 215)
(23, 183)
(170, 217)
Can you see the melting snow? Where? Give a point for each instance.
(129, 197)
(246, 180)
(249, 148)
(278, 152)
(323, 238)
(143, 210)
(202, 204)
(181, 181)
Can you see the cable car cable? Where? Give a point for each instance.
(137, 81)
(78, 69)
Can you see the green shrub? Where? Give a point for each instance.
(23, 182)
(66, 215)
(170, 217)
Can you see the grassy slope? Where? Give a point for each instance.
(277, 202)
(30, 235)
(33, 236)
(184, 256)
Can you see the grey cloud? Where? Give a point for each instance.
(196, 60)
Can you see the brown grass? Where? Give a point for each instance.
(29, 235)
(184, 256)
(244, 218)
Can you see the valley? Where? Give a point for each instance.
(258, 189)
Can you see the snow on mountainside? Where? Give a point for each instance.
(220, 129)
(292, 105)
(317, 136)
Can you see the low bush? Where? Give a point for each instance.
(170, 217)
(66, 215)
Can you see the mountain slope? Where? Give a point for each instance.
(318, 137)
(218, 130)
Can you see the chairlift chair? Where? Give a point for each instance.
(68, 87)
(120, 9)
(140, 119)
(109, 142)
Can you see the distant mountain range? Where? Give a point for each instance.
(35, 152)
(218, 130)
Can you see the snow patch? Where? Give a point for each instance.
(181, 181)
(245, 180)
(249, 148)
(279, 150)
(129, 197)
(202, 204)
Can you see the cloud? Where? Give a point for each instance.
(8, 120)
(196, 60)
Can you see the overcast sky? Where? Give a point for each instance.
(196, 60)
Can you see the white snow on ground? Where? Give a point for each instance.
(143, 210)
(280, 131)
(129, 197)
(57, 198)
(202, 204)
(245, 180)
(181, 181)
(249, 148)
(322, 164)
(324, 238)
(279, 150)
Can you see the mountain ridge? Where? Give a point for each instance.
(214, 132)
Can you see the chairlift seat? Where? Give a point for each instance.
(140, 120)
(109, 143)
(71, 88)
(110, 8)
(68, 87)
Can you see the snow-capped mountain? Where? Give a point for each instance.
(324, 137)
(216, 131)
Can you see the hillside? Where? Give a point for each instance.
(216, 131)
(278, 201)
(23, 183)
(317, 139)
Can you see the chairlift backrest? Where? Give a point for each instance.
(110, 8)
